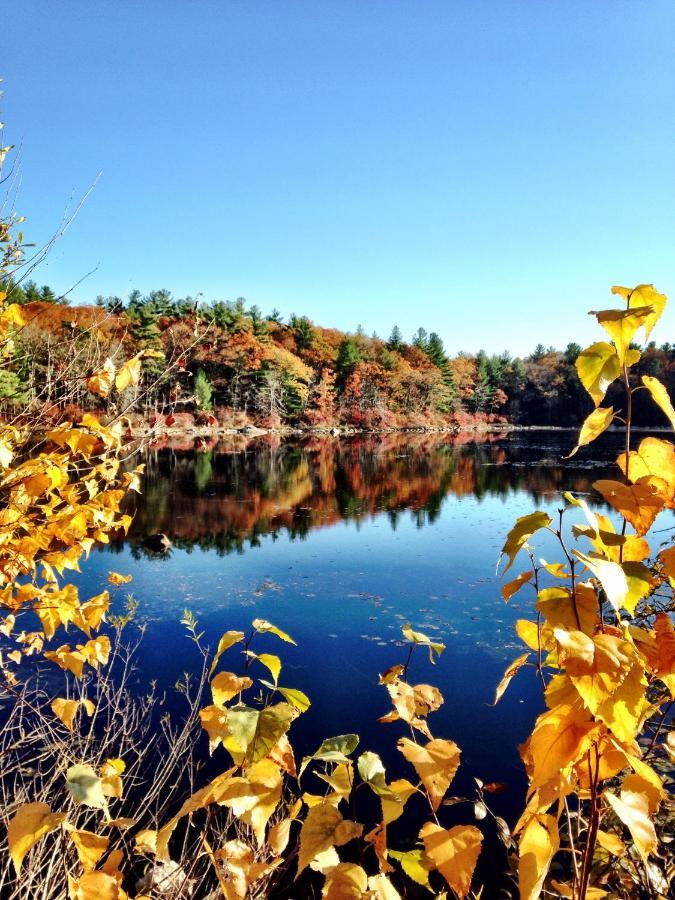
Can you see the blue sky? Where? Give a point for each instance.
(483, 169)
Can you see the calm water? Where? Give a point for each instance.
(340, 542)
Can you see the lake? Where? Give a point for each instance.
(340, 542)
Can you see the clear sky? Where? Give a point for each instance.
(483, 169)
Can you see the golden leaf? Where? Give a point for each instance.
(610, 575)
(101, 382)
(129, 374)
(454, 853)
(226, 685)
(346, 881)
(538, 845)
(637, 503)
(95, 886)
(90, 846)
(660, 397)
(622, 326)
(116, 578)
(521, 532)
(436, 764)
(227, 640)
(30, 823)
(512, 670)
(598, 366)
(66, 710)
(644, 295)
(322, 829)
(512, 587)
(265, 627)
(593, 426)
(633, 810)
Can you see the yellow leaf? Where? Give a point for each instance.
(66, 710)
(435, 763)
(417, 637)
(65, 658)
(610, 575)
(415, 865)
(512, 587)
(90, 847)
(633, 810)
(346, 881)
(512, 670)
(611, 843)
(226, 685)
(597, 367)
(560, 738)
(637, 503)
(129, 374)
(594, 425)
(653, 464)
(393, 802)
(111, 783)
(660, 397)
(116, 578)
(454, 853)
(86, 786)
(521, 532)
(622, 326)
(101, 382)
(30, 823)
(279, 835)
(227, 640)
(95, 886)
(644, 295)
(538, 845)
(562, 610)
(322, 829)
(265, 627)
(271, 662)
(254, 797)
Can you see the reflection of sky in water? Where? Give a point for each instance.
(344, 592)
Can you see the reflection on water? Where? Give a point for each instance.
(234, 493)
(340, 542)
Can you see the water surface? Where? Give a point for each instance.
(340, 542)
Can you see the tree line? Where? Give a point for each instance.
(229, 360)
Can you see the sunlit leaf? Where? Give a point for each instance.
(346, 881)
(512, 587)
(417, 637)
(637, 503)
(435, 763)
(593, 426)
(633, 810)
(226, 685)
(660, 397)
(323, 828)
(521, 532)
(598, 366)
(511, 670)
(622, 326)
(86, 786)
(454, 853)
(30, 823)
(538, 845)
(265, 627)
(90, 846)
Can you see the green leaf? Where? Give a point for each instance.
(516, 539)
(253, 733)
(335, 749)
(86, 786)
(265, 627)
(417, 637)
(415, 865)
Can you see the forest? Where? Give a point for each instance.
(227, 363)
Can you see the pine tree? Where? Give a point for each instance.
(349, 356)
(395, 341)
(203, 392)
(420, 339)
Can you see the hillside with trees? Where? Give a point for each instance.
(228, 363)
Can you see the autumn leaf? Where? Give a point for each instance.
(660, 397)
(226, 685)
(598, 366)
(418, 637)
(129, 374)
(346, 881)
(435, 763)
(521, 532)
(512, 587)
(633, 810)
(512, 670)
(30, 823)
(454, 853)
(593, 426)
(101, 382)
(90, 846)
(265, 627)
(644, 295)
(66, 710)
(229, 639)
(86, 786)
(622, 326)
(323, 828)
(610, 575)
(539, 842)
(637, 503)
(116, 578)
